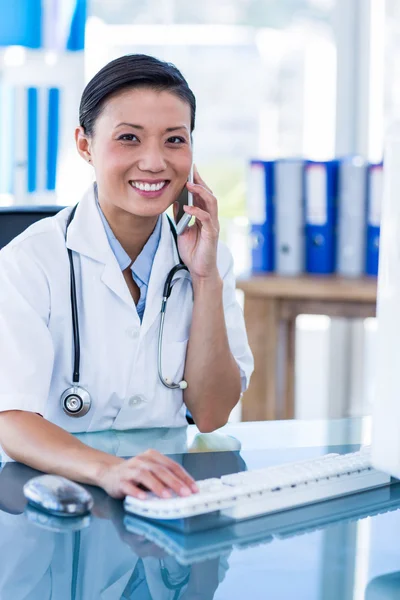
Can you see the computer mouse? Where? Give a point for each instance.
(58, 496)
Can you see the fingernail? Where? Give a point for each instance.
(195, 488)
(185, 491)
(142, 495)
(165, 494)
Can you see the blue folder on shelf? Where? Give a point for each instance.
(375, 192)
(320, 216)
(260, 201)
(352, 216)
(289, 216)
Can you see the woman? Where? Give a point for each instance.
(136, 121)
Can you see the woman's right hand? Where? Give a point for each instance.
(150, 470)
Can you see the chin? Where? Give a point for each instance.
(145, 208)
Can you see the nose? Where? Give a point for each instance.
(152, 158)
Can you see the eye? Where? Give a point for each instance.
(128, 137)
(175, 139)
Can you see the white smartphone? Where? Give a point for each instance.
(185, 197)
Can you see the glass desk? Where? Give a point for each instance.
(345, 549)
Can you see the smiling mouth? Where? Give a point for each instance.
(149, 187)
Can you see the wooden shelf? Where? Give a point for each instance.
(271, 305)
(322, 287)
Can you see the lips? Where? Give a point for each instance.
(149, 188)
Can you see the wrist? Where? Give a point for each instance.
(212, 282)
(102, 466)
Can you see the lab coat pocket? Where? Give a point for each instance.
(173, 361)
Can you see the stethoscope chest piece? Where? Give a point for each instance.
(76, 401)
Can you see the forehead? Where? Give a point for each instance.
(146, 107)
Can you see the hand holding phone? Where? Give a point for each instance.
(185, 198)
(199, 244)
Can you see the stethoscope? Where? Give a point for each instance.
(76, 401)
(176, 587)
(138, 578)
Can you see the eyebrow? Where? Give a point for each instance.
(169, 129)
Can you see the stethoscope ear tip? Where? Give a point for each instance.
(181, 385)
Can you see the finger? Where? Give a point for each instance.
(202, 195)
(153, 458)
(204, 198)
(198, 179)
(174, 467)
(200, 202)
(159, 480)
(144, 476)
(130, 489)
(205, 219)
(172, 481)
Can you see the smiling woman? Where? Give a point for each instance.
(140, 168)
(129, 155)
(81, 294)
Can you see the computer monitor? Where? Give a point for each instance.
(15, 219)
(386, 406)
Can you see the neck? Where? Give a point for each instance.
(131, 231)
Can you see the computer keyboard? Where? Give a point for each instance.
(262, 491)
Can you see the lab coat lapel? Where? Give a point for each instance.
(164, 260)
(86, 235)
(113, 278)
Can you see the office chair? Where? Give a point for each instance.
(15, 219)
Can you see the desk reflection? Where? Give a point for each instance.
(96, 557)
(112, 555)
(101, 560)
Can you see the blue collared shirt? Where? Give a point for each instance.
(141, 268)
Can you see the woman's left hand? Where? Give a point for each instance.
(198, 244)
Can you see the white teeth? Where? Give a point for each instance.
(147, 187)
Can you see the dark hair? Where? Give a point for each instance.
(132, 71)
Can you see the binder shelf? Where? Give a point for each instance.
(271, 305)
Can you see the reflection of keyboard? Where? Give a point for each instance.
(250, 493)
(205, 545)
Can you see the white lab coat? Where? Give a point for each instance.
(118, 354)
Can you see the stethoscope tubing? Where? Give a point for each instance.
(78, 392)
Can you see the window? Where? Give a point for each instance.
(263, 73)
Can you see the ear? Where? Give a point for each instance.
(83, 144)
